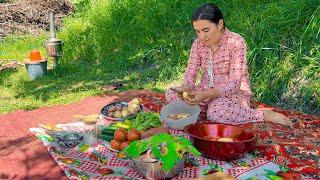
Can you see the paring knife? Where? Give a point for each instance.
(176, 91)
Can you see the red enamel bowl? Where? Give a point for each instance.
(206, 137)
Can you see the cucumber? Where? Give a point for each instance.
(108, 130)
(106, 137)
(107, 133)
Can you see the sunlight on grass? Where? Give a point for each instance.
(18, 48)
(145, 45)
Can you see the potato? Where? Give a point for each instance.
(118, 108)
(185, 95)
(117, 114)
(131, 110)
(136, 101)
(112, 109)
(179, 116)
(125, 113)
(110, 114)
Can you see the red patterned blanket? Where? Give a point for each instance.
(296, 147)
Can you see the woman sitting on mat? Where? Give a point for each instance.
(224, 87)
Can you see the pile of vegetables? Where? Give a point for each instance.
(120, 134)
(121, 110)
(122, 138)
(107, 132)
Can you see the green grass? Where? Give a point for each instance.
(145, 45)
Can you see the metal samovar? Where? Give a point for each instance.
(53, 45)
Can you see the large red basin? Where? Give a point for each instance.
(206, 138)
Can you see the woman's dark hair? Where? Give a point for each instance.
(208, 11)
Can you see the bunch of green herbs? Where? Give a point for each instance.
(146, 120)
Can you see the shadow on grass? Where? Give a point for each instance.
(88, 78)
(5, 74)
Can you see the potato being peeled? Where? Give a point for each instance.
(185, 95)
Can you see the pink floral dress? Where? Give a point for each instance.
(226, 70)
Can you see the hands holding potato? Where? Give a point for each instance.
(195, 97)
(192, 97)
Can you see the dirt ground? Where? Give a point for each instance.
(23, 156)
(31, 16)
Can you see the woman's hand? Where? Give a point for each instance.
(184, 88)
(196, 97)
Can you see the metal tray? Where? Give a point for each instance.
(105, 111)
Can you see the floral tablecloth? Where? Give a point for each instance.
(95, 162)
(296, 148)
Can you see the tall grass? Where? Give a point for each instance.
(145, 44)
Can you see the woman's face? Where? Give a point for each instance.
(208, 32)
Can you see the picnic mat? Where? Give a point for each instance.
(296, 147)
(95, 162)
